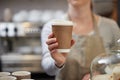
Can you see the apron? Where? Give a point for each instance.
(77, 64)
(94, 47)
(79, 59)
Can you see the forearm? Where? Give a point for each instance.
(48, 62)
(49, 66)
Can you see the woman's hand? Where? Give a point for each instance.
(60, 58)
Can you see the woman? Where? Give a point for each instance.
(79, 12)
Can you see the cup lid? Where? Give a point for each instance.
(62, 22)
(4, 74)
(8, 78)
(21, 73)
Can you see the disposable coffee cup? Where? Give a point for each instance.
(62, 30)
(4, 74)
(8, 78)
(22, 75)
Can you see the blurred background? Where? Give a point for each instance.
(21, 22)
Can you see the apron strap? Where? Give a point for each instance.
(95, 26)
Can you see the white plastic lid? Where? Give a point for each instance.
(21, 73)
(8, 78)
(62, 22)
(4, 74)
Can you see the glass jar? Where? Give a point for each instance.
(106, 66)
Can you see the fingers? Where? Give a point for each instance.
(64, 54)
(51, 36)
(51, 40)
(52, 43)
(53, 51)
(53, 46)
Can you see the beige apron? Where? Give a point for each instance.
(94, 47)
(73, 70)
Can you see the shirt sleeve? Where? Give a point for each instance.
(48, 64)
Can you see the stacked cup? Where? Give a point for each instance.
(21, 75)
(17, 75)
(6, 76)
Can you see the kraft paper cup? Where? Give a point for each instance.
(62, 30)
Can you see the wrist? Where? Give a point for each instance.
(59, 65)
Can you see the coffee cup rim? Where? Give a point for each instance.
(11, 77)
(62, 22)
(5, 73)
(18, 73)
